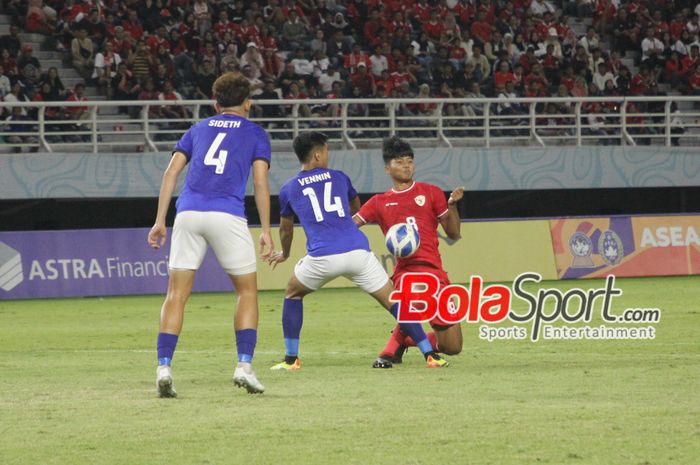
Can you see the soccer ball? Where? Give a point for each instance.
(402, 240)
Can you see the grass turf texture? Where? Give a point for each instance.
(77, 387)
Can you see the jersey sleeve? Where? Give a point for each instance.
(184, 145)
(439, 201)
(352, 193)
(262, 148)
(368, 211)
(285, 205)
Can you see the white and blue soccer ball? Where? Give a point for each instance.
(402, 240)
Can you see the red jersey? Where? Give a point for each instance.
(426, 203)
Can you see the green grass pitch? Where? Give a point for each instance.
(77, 387)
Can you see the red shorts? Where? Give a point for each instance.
(436, 322)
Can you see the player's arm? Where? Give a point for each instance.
(286, 237)
(262, 202)
(158, 233)
(364, 214)
(450, 221)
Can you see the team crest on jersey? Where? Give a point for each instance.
(420, 200)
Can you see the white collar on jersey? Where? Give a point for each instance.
(405, 190)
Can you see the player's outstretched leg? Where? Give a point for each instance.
(245, 325)
(292, 320)
(171, 316)
(412, 330)
(396, 346)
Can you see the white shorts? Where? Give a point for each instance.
(228, 236)
(360, 266)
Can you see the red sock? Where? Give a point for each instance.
(395, 340)
(432, 337)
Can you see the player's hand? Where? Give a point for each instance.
(456, 196)
(267, 247)
(276, 258)
(157, 236)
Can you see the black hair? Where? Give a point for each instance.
(395, 147)
(305, 143)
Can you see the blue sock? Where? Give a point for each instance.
(166, 348)
(245, 343)
(292, 319)
(414, 331)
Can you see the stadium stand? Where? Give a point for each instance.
(290, 49)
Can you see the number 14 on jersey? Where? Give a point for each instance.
(330, 203)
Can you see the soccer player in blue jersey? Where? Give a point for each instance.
(324, 201)
(221, 152)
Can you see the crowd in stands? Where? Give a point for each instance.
(298, 49)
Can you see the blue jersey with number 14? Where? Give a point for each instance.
(220, 151)
(321, 200)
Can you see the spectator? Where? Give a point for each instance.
(141, 62)
(17, 95)
(602, 75)
(320, 63)
(590, 41)
(302, 65)
(352, 60)
(11, 42)
(294, 31)
(122, 44)
(106, 63)
(694, 81)
(202, 16)
(56, 89)
(78, 114)
(482, 68)
(253, 59)
(378, 62)
(148, 92)
(337, 47)
(328, 78)
(125, 86)
(82, 52)
(5, 85)
(29, 67)
(652, 51)
(21, 127)
(256, 84)
(318, 42)
(363, 80)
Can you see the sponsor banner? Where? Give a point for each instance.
(626, 246)
(119, 261)
(90, 263)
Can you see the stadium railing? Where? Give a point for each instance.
(135, 126)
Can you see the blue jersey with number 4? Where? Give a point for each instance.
(220, 151)
(321, 200)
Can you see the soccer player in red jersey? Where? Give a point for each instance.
(425, 206)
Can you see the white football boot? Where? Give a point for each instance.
(164, 381)
(243, 376)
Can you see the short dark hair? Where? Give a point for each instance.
(305, 143)
(395, 147)
(231, 89)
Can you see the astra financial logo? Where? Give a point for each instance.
(10, 268)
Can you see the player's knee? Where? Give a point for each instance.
(247, 293)
(451, 349)
(177, 298)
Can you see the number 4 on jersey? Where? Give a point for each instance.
(218, 161)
